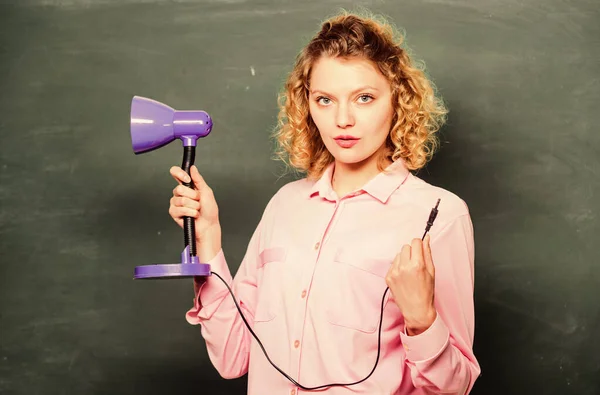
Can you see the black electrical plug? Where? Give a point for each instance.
(432, 215)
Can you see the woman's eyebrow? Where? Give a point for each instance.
(362, 88)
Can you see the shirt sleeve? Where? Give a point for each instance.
(227, 337)
(441, 359)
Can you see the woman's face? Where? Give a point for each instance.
(350, 103)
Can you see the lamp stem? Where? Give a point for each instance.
(189, 230)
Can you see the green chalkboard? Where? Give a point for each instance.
(78, 210)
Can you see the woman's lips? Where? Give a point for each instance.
(346, 141)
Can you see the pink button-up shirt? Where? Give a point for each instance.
(311, 286)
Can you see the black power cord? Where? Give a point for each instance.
(432, 216)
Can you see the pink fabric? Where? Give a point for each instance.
(311, 285)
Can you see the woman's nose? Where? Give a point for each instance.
(344, 116)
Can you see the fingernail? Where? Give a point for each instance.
(187, 179)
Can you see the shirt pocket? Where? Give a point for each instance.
(359, 284)
(269, 275)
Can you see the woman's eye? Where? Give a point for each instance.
(323, 100)
(365, 98)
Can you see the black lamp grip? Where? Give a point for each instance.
(189, 230)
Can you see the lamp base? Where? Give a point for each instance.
(171, 271)
(190, 267)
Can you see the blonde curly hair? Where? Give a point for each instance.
(418, 112)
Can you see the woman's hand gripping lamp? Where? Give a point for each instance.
(154, 125)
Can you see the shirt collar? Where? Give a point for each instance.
(380, 187)
(322, 186)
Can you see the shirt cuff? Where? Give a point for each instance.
(210, 289)
(428, 344)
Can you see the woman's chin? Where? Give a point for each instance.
(350, 158)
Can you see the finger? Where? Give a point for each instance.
(417, 252)
(178, 221)
(183, 191)
(404, 256)
(179, 174)
(175, 214)
(179, 201)
(427, 255)
(190, 203)
(180, 212)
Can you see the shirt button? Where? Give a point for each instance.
(303, 294)
(296, 343)
(317, 245)
(293, 391)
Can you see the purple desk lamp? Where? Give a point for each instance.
(154, 125)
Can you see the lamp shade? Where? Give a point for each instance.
(154, 124)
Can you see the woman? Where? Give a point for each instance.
(356, 117)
